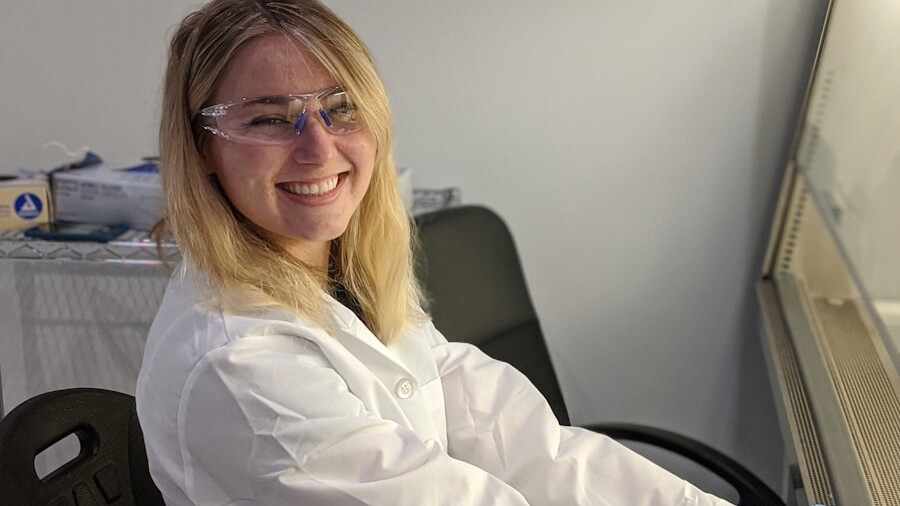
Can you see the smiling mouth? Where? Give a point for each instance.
(311, 189)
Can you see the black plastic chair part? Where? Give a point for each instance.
(110, 469)
(470, 269)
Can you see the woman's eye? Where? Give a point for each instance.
(267, 121)
(342, 110)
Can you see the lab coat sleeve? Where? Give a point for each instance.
(497, 420)
(267, 420)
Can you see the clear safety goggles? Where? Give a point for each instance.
(280, 118)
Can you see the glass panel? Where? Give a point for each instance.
(836, 270)
(849, 151)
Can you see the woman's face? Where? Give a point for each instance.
(301, 193)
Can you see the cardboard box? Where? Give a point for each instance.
(129, 194)
(24, 203)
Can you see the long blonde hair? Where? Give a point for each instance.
(373, 259)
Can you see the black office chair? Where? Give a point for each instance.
(110, 469)
(471, 273)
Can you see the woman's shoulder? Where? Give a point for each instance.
(195, 319)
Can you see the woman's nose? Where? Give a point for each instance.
(314, 144)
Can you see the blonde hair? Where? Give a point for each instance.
(373, 259)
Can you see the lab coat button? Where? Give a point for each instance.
(404, 389)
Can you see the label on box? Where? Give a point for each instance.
(24, 203)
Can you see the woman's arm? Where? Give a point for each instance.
(268, 421)
(497, 420)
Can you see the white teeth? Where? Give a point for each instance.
(314, 189)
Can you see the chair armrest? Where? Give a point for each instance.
(751, 490)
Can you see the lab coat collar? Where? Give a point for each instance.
(403, 356)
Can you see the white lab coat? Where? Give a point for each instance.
(269, 409)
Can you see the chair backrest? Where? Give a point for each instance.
(470, 269)
(111, 467)
(471, 273)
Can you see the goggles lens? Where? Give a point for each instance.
(281, 118)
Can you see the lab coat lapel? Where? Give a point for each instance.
(409, 360)
(362, 343)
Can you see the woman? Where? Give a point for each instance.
(290, 362)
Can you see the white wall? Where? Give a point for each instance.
(633, 146)
(82, 73)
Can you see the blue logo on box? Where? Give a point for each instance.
(28, 206)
